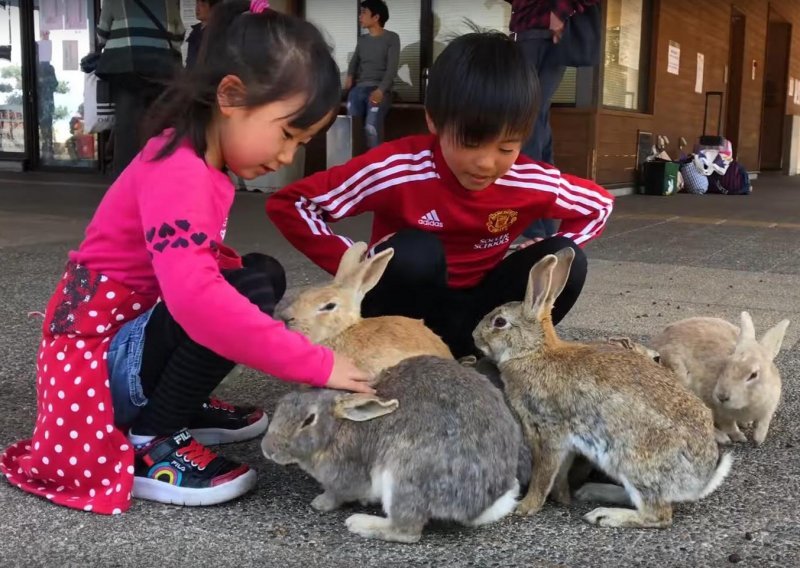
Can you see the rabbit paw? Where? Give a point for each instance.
(759, 436)
(722, 438)
(325, 502)
(604, 493)
(737, 436)
(372, 526)
(628, 518)
(528, 507)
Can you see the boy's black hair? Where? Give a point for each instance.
(377, 8)
(481, 88)
(274, 55)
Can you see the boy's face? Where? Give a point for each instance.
(201, 10)
(366, 18)
(478, 167)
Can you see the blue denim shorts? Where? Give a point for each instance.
(124, 365)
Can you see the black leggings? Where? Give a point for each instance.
(415, 285)
(178, 374)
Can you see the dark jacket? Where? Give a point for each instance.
(193, 43)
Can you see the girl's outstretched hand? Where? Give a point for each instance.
(346, 376)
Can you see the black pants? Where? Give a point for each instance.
(132, 97)
(415, 285)
(177, 373)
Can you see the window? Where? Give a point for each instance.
(627, 54)
(452, 18)
(339, 24)
(425, 28)
(568, 89)
(404, 20)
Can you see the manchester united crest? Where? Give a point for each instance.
(500, 221)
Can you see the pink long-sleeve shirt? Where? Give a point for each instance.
(158, 230)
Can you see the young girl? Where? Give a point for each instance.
(109, 359)
(450, 203)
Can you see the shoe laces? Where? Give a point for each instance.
(196, 454)
(214, 402)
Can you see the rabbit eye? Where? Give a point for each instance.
(309, 421)
(500, 322)
(329, 307)
(753, 376)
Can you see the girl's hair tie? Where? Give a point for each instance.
(258, 6)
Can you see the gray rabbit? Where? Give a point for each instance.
(436, 442)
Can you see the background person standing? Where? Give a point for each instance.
(539, 27)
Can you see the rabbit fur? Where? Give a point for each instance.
(331, 315)
(726, 366)
(627, 415)
(437, 441)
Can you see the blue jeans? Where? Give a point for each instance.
(539, 54)
(124, 367)
(373, 115)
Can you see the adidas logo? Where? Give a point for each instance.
(431, 219)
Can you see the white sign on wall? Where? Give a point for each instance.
(674, 59)
(698, 82)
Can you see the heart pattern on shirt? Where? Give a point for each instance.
(180, 230)
(166, 231)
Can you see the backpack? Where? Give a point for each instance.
(735, 181)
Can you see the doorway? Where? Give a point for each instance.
(735, 76)
(776, 77)
(41, 84)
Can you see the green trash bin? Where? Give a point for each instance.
(659, 177)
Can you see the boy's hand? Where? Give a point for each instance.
(526, 244)
(346, 376)
(376, 97)
(556, 26)
(348, 83)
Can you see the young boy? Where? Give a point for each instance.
(450, 203)
(372, 70)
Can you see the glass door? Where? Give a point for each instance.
(63, 35)
(12, 112)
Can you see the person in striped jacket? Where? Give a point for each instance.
(450, 203)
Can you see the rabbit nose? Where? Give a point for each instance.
(723, 396)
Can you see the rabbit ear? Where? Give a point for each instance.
(363, 407)
(624, 342)
(560, 273)
(351, 260)
(534, 305)
(747, 330)
(370, 272)
(772, 339)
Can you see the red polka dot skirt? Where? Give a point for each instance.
(77, 457)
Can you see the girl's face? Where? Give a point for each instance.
(257, 140)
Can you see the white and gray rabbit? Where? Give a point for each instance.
(629, 416)
(437, 442)
(729, 368)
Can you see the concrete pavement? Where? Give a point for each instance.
(661, 259)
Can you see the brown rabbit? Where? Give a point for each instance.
(631, 418)
(331, 315)
(732, 371)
